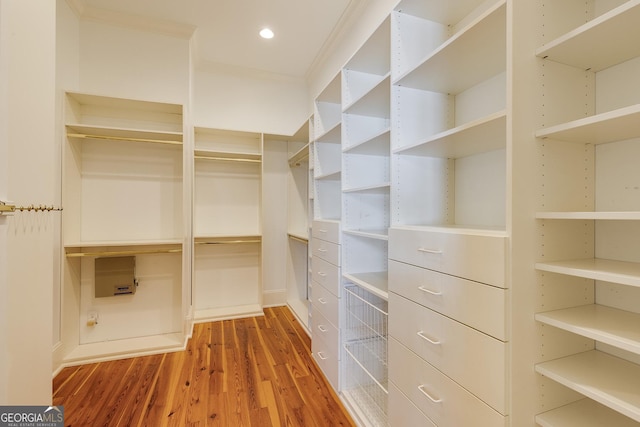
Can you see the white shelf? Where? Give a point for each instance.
(377, 144)
(332, 135)
(604, 41)
(622, 272)
(621, 216)
(584, 413)
(377, 188)
(616, 125)
(302, 237)
(611, 326)
(606, 379)
(378, 233)
(82, 131)
(331, 176)
(474, 54)
(226, 239)
(375, 282)
(375, 102)
(448, 13)
(478, 136)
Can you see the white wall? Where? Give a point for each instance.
(128, 63)
(28, 35)
(249, 101)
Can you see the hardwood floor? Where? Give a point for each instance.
(245, 372)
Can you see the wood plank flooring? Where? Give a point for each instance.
(245, 372)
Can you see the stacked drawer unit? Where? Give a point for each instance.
(325, 272)
(447, 327)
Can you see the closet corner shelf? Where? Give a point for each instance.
(378, 234)
(616, 125)
(621, 272)
(584, 413)
(377, 144)
(474, 54)
(601, 42)
(122, 248)
(375, 282)
(478, 136)
(622, 216)
(300, 237)
(601, 323)
(607, 379)
(375, 102)
(299, 156)
(81, 131)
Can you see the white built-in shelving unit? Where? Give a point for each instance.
(589, 264)
(325, 247)
(298, 225)
(123, 196)
(448, 207)
(366, 187)
(227, 224)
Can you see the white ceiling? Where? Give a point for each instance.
(226, 31)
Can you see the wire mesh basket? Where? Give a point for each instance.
(365, 348)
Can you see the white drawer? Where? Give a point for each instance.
(326, 250)
(475, 304)
(326, 230)
(326, 303)
(479, 257)
(402, 412)
(327, 274)
(473, 359)
(443, 401)
(324, 348)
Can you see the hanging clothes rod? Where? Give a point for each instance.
(122, 253)
(227, 159)
(229, 242)
(122, 138)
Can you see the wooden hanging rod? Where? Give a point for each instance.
(122, 138)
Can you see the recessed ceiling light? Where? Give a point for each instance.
(266, 33)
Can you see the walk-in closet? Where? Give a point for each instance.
(442, 207)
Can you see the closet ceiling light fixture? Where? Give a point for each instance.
(266, 33)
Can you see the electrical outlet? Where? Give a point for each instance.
(92, 318)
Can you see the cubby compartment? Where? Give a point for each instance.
(227, 224)
(365, 263)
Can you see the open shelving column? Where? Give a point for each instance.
(123, 196)
(227, 279)
(589, 263)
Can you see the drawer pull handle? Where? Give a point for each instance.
(426, 393)
(322, 230)
(430, 251)
(429, 291)
(322, 356)
(322, 273)
(322, 301)
(322, 250)
(424, 336)
(322, 328)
